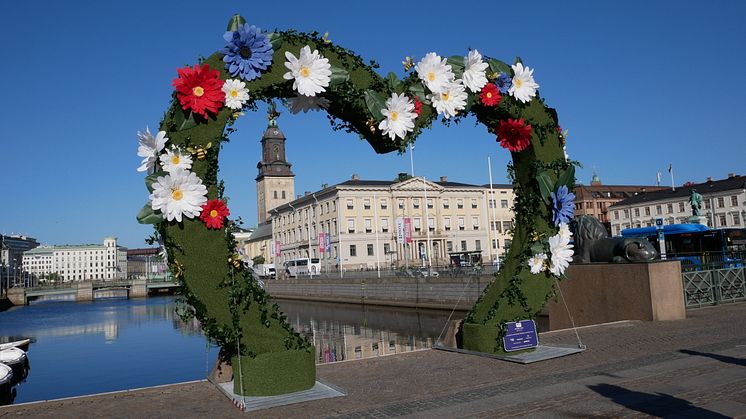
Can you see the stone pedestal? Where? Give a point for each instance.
(17, 296)
(697, 219)
(607, 292)
(84, 291)
(138, 289)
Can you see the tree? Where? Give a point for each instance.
(258, 260)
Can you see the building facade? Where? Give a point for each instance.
(146, 263)
(723, 205)
(11, 259)
(275, 183)
(360, 217)
(78, 262)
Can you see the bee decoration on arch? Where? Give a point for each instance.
(199, 151)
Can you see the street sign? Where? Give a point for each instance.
(659, 223)
(520, 335)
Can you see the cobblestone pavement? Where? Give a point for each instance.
(688, 368)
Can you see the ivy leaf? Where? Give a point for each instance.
(235, 22)
(275, 39)
(375, 102)
(498, 66)
(567, 178)
(184, 120)
(393, 82)
(546, 185)
(148, 216)
(457, 65)
(339, 76)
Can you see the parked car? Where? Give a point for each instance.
(429, 272)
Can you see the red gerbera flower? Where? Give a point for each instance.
(214, 213)
(417, 106)
(199, 89)
(490, 95)
(514, 135)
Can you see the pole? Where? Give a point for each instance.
(308, 227)
(427, 223)
(375, 226)
(670, 170)
(494, 207)
(339, 233)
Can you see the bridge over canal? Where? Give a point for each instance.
(90, 290)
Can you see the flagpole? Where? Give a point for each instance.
(375, 226)
(670, 170)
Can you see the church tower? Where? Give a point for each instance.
(275, 184)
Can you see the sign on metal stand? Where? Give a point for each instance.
(661, 237)
(520, 335)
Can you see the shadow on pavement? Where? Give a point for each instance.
(662, 405)
(721, 358)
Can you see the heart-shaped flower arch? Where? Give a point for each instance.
(187, 206)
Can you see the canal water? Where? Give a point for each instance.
(117, 344)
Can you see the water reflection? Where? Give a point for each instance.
(342, 332)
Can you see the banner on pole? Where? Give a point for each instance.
(408, 230)
(328, 242)
(399, 230)
(277, 248)
(322, 242)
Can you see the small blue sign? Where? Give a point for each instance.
(520, 335)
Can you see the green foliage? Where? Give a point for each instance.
(258, 260)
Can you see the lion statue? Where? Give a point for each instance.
(593, 244)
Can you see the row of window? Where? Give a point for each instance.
(720, 203)
(721, 220)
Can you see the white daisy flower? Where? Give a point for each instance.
(307, 103)
(149, 148)
(400, 116)
(434, 72)
(178, 193)
(175, 159)
(562, 252)
(564, 232)
(474, 71)
(537, 263)
(236, 93)
(311, 72)
(451, 100)
(523, 87)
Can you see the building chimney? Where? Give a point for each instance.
(306, 193)
(324, 185)
(444, 178)
(355, 176)
(731, 175)
(709, 178)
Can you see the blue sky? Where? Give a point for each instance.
(639, 84)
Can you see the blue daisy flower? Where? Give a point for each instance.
(248, 52)
(563, 205)
(504, 82)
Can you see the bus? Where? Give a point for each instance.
(697, 245)
(302, 267)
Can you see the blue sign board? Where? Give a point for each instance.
(520, 335)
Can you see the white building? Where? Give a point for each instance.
(360, 217)
(723, 205)
(78, 262)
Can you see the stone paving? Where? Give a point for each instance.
(688, 368)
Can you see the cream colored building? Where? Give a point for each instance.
(723, 205)
(78, 262)
(361, 217)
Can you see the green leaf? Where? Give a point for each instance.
(235, 21)
(498, 66)
(375, 102)
(418, 89)
(148, 216)
(546, 185)
(537, 247)
(275, 39)
(339, 76)
(393, 82)
(567, 178)
(457, 65)
(151, 178)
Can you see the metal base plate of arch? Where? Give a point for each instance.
(320, 390)
(541, 353)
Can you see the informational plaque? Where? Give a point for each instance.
(520, 335)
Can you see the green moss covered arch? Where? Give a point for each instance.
(238, 314)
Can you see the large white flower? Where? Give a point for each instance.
(175, 159)
(451, 100)
(307, 103)
(537, 263)
(523, 87)
(178, 193)
(236, 93)
(564, 232)
(400, 115)
(149, 148)
(562, 252)
(311, 72)
(474, 71)
(435, 72)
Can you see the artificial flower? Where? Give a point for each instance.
(214, 213)
(490, 95)
(417, 106)
(504, 82)
(149, 148)
(474, 71)
(178, 194)
(307, 103)
(248, 52)
(311, 72)
(236, 93)
(563, 205)
(564, 232)
(434, 72)
(400, 115)
(450, 100)
(199, 89)
(562, 252)
(175, 159)
(523, 86)
(514, 135)
(537, 263)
